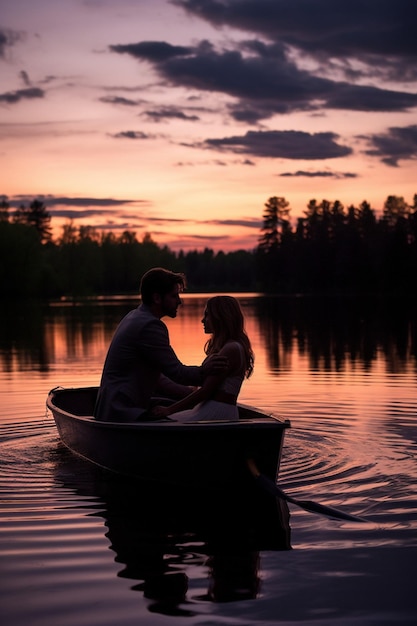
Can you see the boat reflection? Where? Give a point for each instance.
(162, 536)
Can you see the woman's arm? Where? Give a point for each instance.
(208, 388)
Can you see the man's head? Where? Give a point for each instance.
(160, 289)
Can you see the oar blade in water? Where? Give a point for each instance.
(314, 507)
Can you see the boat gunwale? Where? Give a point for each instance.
(265, 421)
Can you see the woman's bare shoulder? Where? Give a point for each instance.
(233, 350)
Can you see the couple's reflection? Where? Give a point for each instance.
(161, 534)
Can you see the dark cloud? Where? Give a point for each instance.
(246, 223)
(395, 145)
(11, 97)
(370, 99)
(343, 45)
(119, 100)
(216, 162)
(198, 238)
(263, 80)
(152, 51)
(113, 226)
(78, 214)
(25, 78)
(163, 113)
(51, 201)
(289, 144)
(380, 33)
(80, 208)
(132, 134)
(304, 174)
(77, 202)
(3, 42)
(243, 222)
(8, 38)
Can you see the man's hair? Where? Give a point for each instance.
(161, 281)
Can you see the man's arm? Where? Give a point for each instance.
(155, 346)
(170, 389)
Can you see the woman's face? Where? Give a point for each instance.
(206, 321)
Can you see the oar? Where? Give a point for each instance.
(314, 507)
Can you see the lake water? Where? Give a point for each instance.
(79, 548)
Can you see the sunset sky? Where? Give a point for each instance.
(181, 118)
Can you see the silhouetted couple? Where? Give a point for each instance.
(141, 365)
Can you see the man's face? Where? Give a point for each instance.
(170, 302)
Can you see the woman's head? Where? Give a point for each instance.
(223, 318)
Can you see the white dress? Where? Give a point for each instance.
(213, 410)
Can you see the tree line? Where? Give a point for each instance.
(331, 249)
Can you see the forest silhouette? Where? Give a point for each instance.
(330, 250)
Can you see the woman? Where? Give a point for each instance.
(216, 398)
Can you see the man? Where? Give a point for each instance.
(140, 361)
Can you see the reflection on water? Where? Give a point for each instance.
(331, 331)
(336, 331)
(79, 548)
(159, 533)
(23, 341)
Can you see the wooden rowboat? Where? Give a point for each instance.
(211, 454)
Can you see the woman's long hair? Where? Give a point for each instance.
(228, 325)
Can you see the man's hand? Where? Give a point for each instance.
(215, 365)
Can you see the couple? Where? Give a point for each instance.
(141, 364)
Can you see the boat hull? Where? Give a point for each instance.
(209, 454)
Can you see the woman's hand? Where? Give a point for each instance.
(160, 411)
